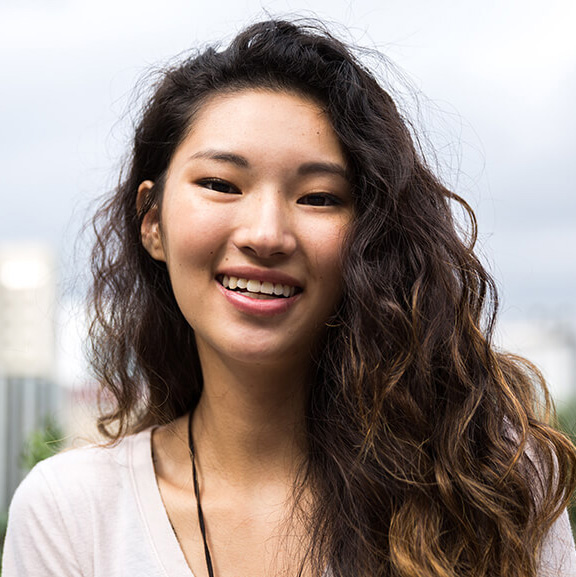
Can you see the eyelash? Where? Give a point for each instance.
(328, 199)
(218, 185)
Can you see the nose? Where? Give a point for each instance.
(265, 228)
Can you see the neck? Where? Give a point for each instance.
(249, 424)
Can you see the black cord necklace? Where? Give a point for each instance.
(197, 494)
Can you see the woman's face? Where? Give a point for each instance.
(253, 218)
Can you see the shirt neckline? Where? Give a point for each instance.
(158, 527)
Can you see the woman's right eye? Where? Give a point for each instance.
(218, 185)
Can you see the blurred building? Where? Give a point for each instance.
(80, 405)
(28, 391)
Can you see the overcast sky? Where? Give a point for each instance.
(498, 80)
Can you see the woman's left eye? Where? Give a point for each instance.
(320, 199)
(218, 185)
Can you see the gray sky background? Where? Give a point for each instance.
(498, 80)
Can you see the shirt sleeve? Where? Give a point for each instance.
(38, 539)
(558, 556)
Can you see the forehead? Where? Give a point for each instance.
(263, 97)
(263, 121)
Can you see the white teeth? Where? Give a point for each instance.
(257, 287)
(253, 286)
(267, 288)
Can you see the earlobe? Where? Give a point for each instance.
(150, 233)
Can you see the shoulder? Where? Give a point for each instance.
(70, 503)
(87, 473)
(92, 469)
(558, 555)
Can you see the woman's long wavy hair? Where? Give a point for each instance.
(429, 450)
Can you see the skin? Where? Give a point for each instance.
(258, 187)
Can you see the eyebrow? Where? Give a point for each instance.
(305, 169)
(323, 167)
(221, 156)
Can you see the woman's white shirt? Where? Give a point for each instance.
(97, 512)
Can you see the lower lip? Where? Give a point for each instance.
(258, 307)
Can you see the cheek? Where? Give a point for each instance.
(329, 250)
(193, 236)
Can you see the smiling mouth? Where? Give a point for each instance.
(257, 289)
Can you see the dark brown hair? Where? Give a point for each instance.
(428, 453)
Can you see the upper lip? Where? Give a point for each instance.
(263, 275)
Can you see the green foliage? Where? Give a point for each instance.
(42, 443)
(3, 524)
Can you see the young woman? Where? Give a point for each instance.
(295, 346)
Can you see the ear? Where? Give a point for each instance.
(150, 233)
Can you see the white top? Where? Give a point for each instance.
(97, 512)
